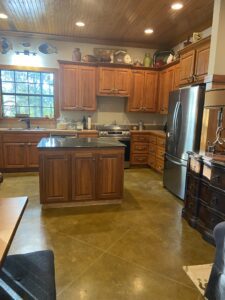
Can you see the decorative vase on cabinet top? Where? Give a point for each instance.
(147, 60)
(76, 56)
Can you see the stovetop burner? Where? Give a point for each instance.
(113, 130)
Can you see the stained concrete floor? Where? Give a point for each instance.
(125, 252)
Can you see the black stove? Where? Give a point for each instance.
(119, 132)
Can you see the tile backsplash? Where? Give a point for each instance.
(113, 109)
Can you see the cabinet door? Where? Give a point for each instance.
(166, 86)
(150, 91)
(137, 94)
(14, 155)
(32, 155)
(176, 81)
(187, 61)
(109, 175)
(202, 62)
(87, 88)
(69, 87)
(83, 176)
(122, 82)
(1, 153)
(54, 186)
(106, 81)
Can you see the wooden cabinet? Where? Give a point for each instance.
(77, 87)
(1, 153)
(114, 81)
(55, 185)
(110, 175)
(144, 91)
(167, 83)
(86, 134)
(194, 60)
(204, 205)
(20, 150)
(79, 176)
(156, 152)
(139, 148)
(83, 176)
(14, 155)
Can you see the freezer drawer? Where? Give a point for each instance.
(174, 176)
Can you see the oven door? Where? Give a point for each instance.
(126, 142)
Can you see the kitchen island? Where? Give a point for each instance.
(80, 171)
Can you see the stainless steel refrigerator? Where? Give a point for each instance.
(183, 134)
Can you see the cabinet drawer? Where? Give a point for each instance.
(138, 159)
(217, 201)
(35, 138)
(140, 138)
(161, 141)
(208, 218)
(218, 177)
(159, 165)
(160, 152)
(152, 149)
(15, 138)
(152, 139)
(140, 147)
(151, 161)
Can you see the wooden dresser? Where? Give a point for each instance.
(204, 204)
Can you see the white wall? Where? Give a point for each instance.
(110, 109)
(65, 50)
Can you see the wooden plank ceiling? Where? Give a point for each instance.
(115, 22)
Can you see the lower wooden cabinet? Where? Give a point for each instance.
(14, 155)
(79, 176)
(110, 175)
(156, 152)
(204, 205)
(139, 148)
(55, 186)
(20, 150)
(83, 176)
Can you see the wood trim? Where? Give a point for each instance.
(214, 81)
(123, 66)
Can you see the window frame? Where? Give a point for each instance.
(35, 69)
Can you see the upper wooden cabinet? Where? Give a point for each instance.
(167, 83)
(144, 91)
(77, 87)
(194, 61)
(113, 81)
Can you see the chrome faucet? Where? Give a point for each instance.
(27, 121)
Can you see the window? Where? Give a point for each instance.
(27, 92)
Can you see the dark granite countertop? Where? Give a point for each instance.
(70, 142)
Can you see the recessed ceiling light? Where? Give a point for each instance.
(177, 6)
(3, 16)
(80, 24)
(148, 30)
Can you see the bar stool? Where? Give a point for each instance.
(30, 276)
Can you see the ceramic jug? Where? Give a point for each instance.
(76, 56)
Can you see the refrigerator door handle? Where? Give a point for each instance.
(175, 116)
(175, 162)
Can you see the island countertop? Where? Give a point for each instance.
(71, 142)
